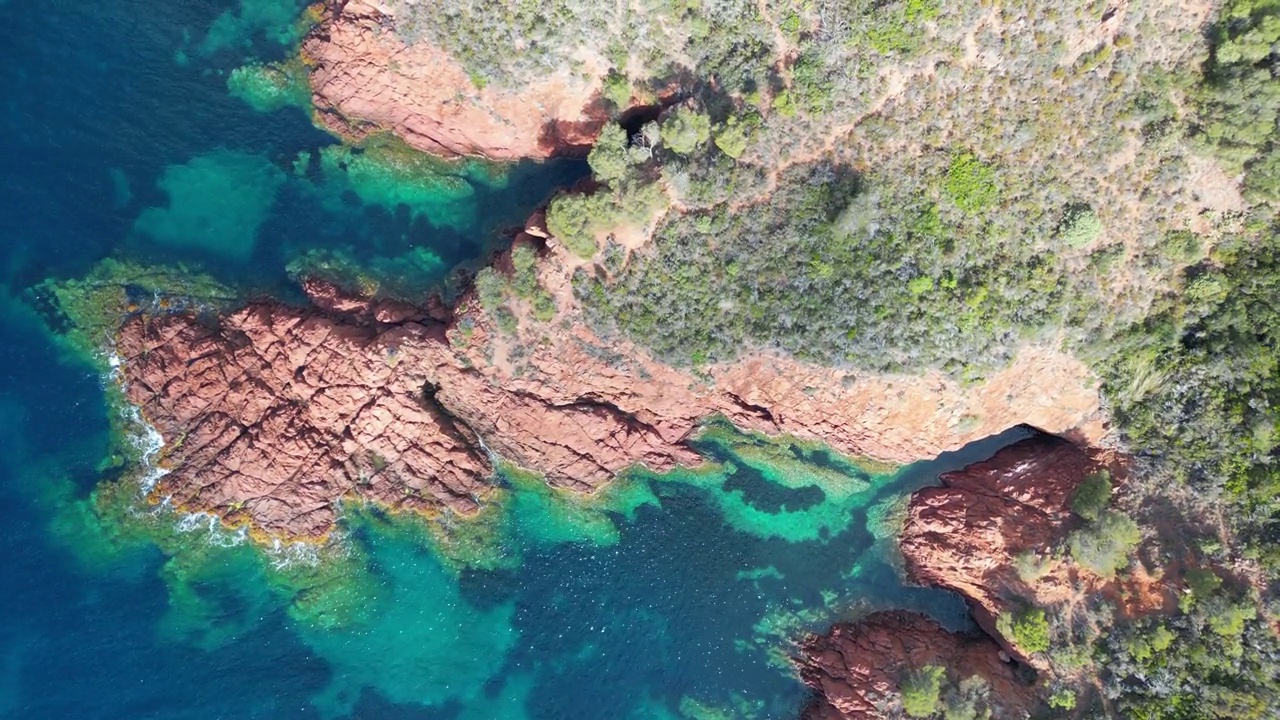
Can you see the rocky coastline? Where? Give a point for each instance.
(274, 414)
(855, 669)
(967, 536)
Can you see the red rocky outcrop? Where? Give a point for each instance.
(856, 668)
(274, 413)
(965, 535)
(365, 78)
(962, 536)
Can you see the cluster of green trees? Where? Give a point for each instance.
(1217, 658)
(1196, 383)
(1239, 101)
(645, 44)
(497, 292)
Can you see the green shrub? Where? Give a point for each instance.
(1144, 647)
(1202, 582)
(1080, 226)
(1229, 621)
(971, 183)
(1030, 567)
(491, 290)
(811, 82)
(1184, 248)
(1107, 545)
(1063, 699)
(1090, 61)
(506, 320)
(608, 157)
(785, 105)
(544, 306)
(685, 129)
(617, 89)
(732, 140)
(920, 285)
(895, 27)
(921, 691)
(1093, 496)
(525, 261)
(1027, 628)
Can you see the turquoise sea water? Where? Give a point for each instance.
(677, 596)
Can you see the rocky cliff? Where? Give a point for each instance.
(856, 668)
(365, 78)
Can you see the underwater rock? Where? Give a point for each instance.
(366, 79)
(857, 668)
(965, 535)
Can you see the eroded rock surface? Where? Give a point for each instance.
(856, 668)
(365, 78)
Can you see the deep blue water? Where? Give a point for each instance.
(687, 603)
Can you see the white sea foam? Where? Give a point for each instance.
(285, 555)
(211, 525)
(192, 522)
(140, 434)
(149, 443)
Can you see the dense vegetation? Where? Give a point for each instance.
(929, 237)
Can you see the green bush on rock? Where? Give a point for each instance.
(921, 691)
(1106, 545)
(1027, 628)
(1093, 496)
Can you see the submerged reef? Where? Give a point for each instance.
(217, 202)
(268, 87)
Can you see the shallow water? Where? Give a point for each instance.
(667, 596)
